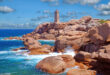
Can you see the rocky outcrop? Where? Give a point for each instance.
(102, 63)
(68, 59)
(13, 38)
(88, 36)
(53, 65)
(81, 72)
(31, 43)
(53, 30)
(99, 34)
(83, 56)
(76, 40)
(21, 48)
(56, 64)
(39, 51)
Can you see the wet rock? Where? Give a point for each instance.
(21, 48)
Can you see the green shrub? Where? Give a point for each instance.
(102, 21)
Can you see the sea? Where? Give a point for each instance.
(16, 63)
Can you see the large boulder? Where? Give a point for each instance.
(69, 60)
(31, 43)
(56, 64)
(74, 39)
(86, 19)
(99, 35)
(90, 47)
(83, 56)
(38, 51)
(47, 36)
(102, 63)
(81, 72)
(53, 65)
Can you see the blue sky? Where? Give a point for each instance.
(29, 13)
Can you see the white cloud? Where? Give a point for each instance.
(104, 8)
(18, 26)
(49, 0)
(105, 13)
(6, 9)
(89, 1)
(71, 1)
(81, 1)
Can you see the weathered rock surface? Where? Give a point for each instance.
(53, 65)
(39, 51)
(76, 40)
(53, 30)
(69, 60)
(56, 64)
(31, 43)
(98, 35)
(83, 56)
(81, 72)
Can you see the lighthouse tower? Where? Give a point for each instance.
(56, 18)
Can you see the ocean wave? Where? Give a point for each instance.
(4, 52)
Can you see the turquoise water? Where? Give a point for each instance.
(14, 63)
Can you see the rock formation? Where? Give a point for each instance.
(89, 37)
(81, 72)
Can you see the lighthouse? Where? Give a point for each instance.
(56, 18)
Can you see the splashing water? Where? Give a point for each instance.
(69, 50)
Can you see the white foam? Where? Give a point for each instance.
(5, 73)
(69, 50)
(47, 40)
(4, 52)
(19, 55)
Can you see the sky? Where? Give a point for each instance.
(28, 14)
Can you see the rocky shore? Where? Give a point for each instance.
(88, 37)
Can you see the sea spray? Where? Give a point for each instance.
(69, 50)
